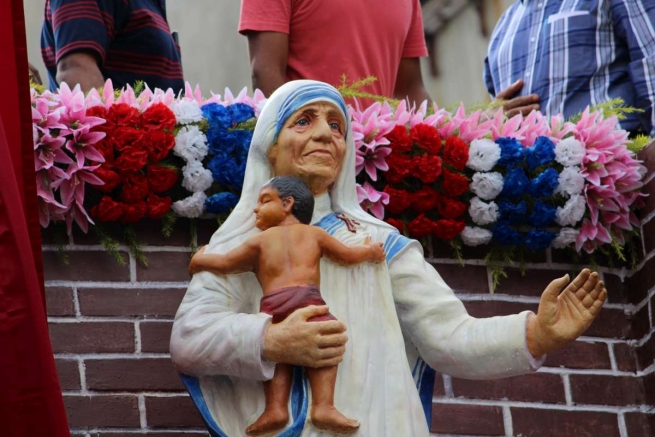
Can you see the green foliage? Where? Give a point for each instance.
(139, 86)
(60, 238)
(193, 241)
(456, 245)
(168, 222)
(614, 107)
(495, 260)
(39, 88)
(110, 245)
(354, 90)
(136, 249)
(638, 143)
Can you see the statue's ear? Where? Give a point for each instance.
(287, 204)
(272, 155)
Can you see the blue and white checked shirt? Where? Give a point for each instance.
(574, 53)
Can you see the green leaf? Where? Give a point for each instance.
(136, 249)
(353, 90)
(168, 222)
(110, 245)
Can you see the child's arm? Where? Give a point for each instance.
(240, 259)
(342, 254)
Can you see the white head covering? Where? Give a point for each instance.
(285, 101)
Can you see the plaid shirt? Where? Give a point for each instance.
(574, 53)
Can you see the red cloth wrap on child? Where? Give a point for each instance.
(283, 301)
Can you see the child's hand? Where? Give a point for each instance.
(194, 266)
(376, 249)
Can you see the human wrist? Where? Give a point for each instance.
(534, 337)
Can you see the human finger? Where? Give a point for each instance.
(367, 240)
(589, 300)
(510, 91)
(518, 102)
(579, 280)
(330, 352)
(523, 110)
(328, 363)
(600, 286)
(332, 340)
(598, 303)
(554, 288)
(309, 312)
(330, 327)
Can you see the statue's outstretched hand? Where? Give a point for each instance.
(563, 317)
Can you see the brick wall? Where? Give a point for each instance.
(110, 326)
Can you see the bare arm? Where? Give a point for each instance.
(268, 59)
(82, 68)
(409, 82)
(238, 260)
(348, 255)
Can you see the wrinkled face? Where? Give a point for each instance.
(311, 145)
(270, 210)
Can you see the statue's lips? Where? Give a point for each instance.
(319, 152)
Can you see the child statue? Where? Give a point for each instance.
(285, 257)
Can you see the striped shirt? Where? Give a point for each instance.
(130, 39)
(575, 53)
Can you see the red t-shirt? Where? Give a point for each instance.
(328, 38)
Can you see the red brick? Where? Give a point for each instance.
(535, 387)
(646, 353)
(172, 412)
(165, 266)
(469, 279)
(467, 419)
(640, 323)
(130, 302)
(581, 355)
(606, 390)
(641, 282)
(155, 336)
(616, 290)
(493, 308)
(69, 374)
(648, 230)
(626, 359)
(647, 155)
(102, 411)
(649, 207)
(59, 301)
(531, 422)
(610, 323)
(132, 374)
(92, 337)
(533, 283)
(649, 387)
(85, 266)
(639, 424)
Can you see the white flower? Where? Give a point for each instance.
(187, 111)
(190, 144)
(565, 238)
(192, 206)
(572, 212)
(570, 181)
(475, 236)
(196, 177)
(487, 185)
(483, 213)
(569, 151)
(483, 155)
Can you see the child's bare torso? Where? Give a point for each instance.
(289, 255)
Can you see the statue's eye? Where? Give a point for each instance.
(335, 126)
(302, 122)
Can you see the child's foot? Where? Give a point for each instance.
(330, 419)
(270, 420)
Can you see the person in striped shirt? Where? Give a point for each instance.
(563, 55)
(89, 41)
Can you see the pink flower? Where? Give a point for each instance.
(372, 200)
(72, 194)
(369, 128)
(371, 160)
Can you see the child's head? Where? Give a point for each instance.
(281, 196)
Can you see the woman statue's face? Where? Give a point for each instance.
(311, 145)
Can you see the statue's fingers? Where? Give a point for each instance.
(554, 288)
(598, 303)
(591, 282)
(600, 286)
(579, 282)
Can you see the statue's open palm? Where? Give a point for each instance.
(563, 317)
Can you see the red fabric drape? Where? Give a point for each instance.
(30, 397)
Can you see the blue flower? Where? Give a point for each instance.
(511, 151)
(542, 153)
(217, 115)
(240, 112)
(504, 234)
(515, 183)
(225, 171)
(542, 215)
(545, 184)
(538, 241)
(221, 202)
(237, 141)
(513, 213)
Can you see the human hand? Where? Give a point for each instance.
(194, 266)
(517, 105)
(302, 343)
(34, 74)
(376, 250)
(563, 317)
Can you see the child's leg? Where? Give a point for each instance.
(276, 413)
(324, 414)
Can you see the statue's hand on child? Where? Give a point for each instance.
(377, 251)
(194, 265)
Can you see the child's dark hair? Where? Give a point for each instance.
(303, 200)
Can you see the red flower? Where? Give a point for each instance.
(157, 206)
(396, 223)
(400, 141)
(421, 226)
(161, 178)
(158, 117)
(454, 184)
(399, 200)
(456, 152)
(448, 229)
(100, 112)
(424, 199)
(127, 137)
(122, 114)
(106, 148)
(427, 138)
(427, 168)
(108, 210)
(159, 144)
(399, 168)
(109, 177)
(451, 209)
(134, 212)
(131, 160)
(135, 189)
